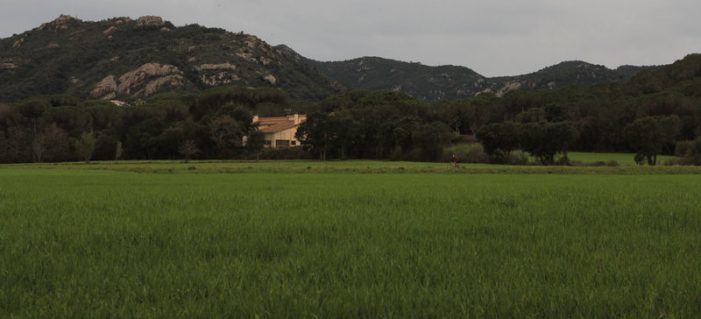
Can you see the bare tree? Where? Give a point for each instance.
(51, 144)
(188, 149)
(119, 151)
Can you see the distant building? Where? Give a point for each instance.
(280, 131)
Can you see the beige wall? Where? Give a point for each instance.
(288, 134)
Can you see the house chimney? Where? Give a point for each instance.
(296, 118)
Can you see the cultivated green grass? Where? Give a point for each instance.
(78, 242)
(350, 167)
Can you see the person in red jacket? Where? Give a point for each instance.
(455, 160)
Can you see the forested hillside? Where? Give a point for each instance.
(128, 59)
(647, 115)
(448, 82)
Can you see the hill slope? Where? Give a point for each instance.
(455, 82)
(122, 58)
(418, 80)
(128, 59)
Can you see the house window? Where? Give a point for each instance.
(293, 143)
(282, 143)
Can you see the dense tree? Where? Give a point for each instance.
(317, 135)
(649, 135)
(5, 156)
(499, 139)
(429, 141)
(227, 134)
(533, 115)
(105, 146)
(85, 146)
(255, 142)
(544, 140)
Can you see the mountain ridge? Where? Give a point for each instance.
(450, 82)
(124, 58)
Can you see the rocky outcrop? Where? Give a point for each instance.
(265, 61)
(105, 89)
(270, 79)
(508, 87)
(136, 78)
(110, 31)
(150, 21)
(64, 19)
(7, 66)
(218, 74)
(18, 43)
(61, 23)
(216, 67)
(120, 21)
(219, 78)
(146, 80)
(170, 81)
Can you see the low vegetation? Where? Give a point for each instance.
(97, 240)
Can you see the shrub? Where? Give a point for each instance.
(674, 161)
(689, 152)
(563, 161)
(612, 163)
(292, 153)
(683, 148)
(518, 158)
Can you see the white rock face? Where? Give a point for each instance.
(8, 64)
(135, 78)
(110, 31)
(508, 87)
(107, 86)
(18, 43)
(270, 79)
(146, 80)
(155, 86)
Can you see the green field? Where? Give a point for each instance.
(348, 239)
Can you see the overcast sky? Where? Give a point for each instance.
(493, 37)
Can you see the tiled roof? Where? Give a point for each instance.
(278, 123)
(278, 127)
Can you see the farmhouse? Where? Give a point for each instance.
(280, 131)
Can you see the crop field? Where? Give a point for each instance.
(348, 240)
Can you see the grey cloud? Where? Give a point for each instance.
(494, 37)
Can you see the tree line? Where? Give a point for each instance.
(656, 113)
(212, 124)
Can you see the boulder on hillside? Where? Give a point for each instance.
(60, 23)
(150, 21)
